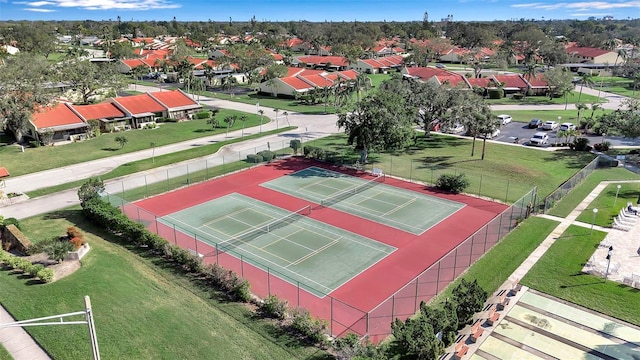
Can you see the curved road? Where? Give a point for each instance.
(309, 127)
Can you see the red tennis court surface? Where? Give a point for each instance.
(421, 267)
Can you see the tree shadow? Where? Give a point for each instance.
(110, 149)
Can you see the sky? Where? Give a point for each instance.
(314, 10)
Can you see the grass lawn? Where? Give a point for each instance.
(572, 99)
(493, 269)
(144, 308)
(558, 273)
(50, 157)
(498, 176)
(616, 85)
(171, 158)
(605, 203)
(569, 202)
(569, 115)
(4, 354)
(290, 105)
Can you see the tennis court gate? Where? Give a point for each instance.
(341, 317)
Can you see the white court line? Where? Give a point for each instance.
(399, 207)
(315, 252)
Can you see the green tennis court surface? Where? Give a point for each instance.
(402, 209)
(318, 256)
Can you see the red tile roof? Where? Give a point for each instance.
(317, 59)
(296, 83)
(537, 81)
(138, 104)
(57, 115)
(586, 51)
(511, 81)
(132, 63)
(99, 111)
(349, 74)
(173, 99)
(480, 82)
(452, 79)
(3, 172)
(424, 73)
(317, 80)
(294, 42)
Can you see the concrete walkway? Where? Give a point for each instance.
(18, 342)
(524, 268)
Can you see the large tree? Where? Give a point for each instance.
(560, 82)
(381, 122)
(24, 80)
(624, 121)
(91, 79)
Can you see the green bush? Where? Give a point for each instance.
(203, 115)
(11, 221)
(518, 96)
(304, 324)
(4, 256)
(314, 152)
(581, 144)
(295, 144)
(603, 146)
(267, 155)
(274, 307)
(496, 93)
(452, 183)
(254, 158)
(45, 275)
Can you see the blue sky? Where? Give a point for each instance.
(313, 10)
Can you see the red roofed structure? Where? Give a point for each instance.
(143, 108)
(57, 123)
(179, 105)
(110, 116)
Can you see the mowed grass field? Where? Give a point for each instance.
(143, 308)
(506, 173)
(51, 157)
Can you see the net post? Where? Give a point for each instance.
(268, 281)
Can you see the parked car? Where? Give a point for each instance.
(535, 123)
(491, 135)
(455, 129)
(567, 126)
(539, 139)
(441, 66)
(550, 125)
(504, 119)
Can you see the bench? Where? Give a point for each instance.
(376, 172)
(476, 331)
(516, 286)
(461, 350)
(503, 301)
(493, 317)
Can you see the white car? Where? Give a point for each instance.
(550, 125)
(539, 139)
(504, 119)
(567, 126)
(491, 135)
(455, 129)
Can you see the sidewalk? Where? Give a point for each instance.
(522, 270)
(18, 342)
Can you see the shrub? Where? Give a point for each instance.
(304, 324)
(203, 114)
(4, 256)
(11, 221)
(45, 275)
(23, 264)
(59, 250)
(295, 144)
(603, 146)
(314, 152)
(452, 183)
(581, 144)
(496, 93)
(274, 307)
(77, 242)
(267, 155)
(74, 232)
(518, 96)
(254, 158)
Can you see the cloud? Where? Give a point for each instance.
(582, 6)
(39, 10)
(132, 5)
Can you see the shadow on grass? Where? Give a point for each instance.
(110, 149)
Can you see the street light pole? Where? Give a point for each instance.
(617, 191)
(609, 254)
(595, 211)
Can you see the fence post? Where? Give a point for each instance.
(480, 187)
(217, 255)
(188, 175)
(241, 266)
(168, 186)
(206, 169)
(411, 170)
(506, 196)
(175, 236)
(146, 187)
(415, 303)
(331, 317)
(268, 281)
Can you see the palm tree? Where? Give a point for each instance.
(243, 118)
(276, 110)
(230, 120)
(580, 107)
(585, 79)
(261, 113)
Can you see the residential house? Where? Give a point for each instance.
(587, 55)
(178, 104)
(57, 123)
(143, 109)
(110, 116)
(218, 53)
(436, 76)
(321, 51)
(378, 65)
(296, 44)
(511, 83)
(299, 81)
(334, 63)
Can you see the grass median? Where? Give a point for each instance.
(158, 161)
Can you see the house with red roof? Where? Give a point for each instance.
(589, 55)
(378, 65)
(511, 83)
(436, 76)
(304, 80)
(336, 63)
(178, 104)
(57, 123)
(111, 118)
(143, 109)
(296, 44)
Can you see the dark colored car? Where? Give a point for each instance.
(535, 123)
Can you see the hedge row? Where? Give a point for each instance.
(109, 217)
(264, 155)
(18, 263)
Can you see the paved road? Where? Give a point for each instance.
(309, 127)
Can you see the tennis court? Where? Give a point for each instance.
(318, 256)
(402, 209)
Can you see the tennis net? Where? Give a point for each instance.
(255, 232)
(339, 196)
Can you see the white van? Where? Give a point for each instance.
(504, 119)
